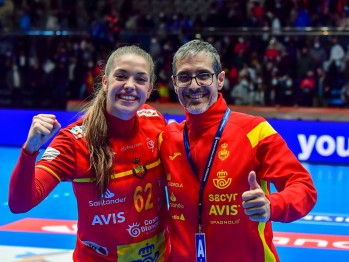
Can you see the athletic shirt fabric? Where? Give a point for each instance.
(128, 224)
(248, 143)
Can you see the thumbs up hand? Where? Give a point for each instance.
(255, 203)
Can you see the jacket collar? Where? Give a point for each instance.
(199, 123)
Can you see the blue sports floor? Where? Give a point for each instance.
(47, 232)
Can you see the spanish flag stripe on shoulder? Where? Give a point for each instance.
(261, 131)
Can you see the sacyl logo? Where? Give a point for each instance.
(324, 145)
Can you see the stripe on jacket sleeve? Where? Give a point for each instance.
(160, 139)
(261, 131)
(49, 171)
(268, 254)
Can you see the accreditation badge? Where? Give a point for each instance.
(200, 244)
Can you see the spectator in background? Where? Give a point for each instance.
(302, 18)
(275, 92)
(162, 87)
(52, 21)
(259, 90)
(7, 8)
(113, 25)
(89, 81)
(337, 54)
(241, 47)
(318, 54)
(257, 11)
(241, 93)
(273, 50)
(25, 19)
(37, 83)
(233, 75)
(15, 80)
(22, 58)
(287, 91)
(286, 64)
(269, 72)
(345, 94)
(322, 87)
(307, 89)
(274, 23)
(323, 16)
(304, 63)
(59, 82)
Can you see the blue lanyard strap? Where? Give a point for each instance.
(209, 160)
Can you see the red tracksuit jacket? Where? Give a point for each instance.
(248, 143)
(128, 225)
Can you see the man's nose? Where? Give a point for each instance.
(193, 83)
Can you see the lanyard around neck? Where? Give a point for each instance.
(209, 160)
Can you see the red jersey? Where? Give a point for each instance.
(128, 223)
(248, 143)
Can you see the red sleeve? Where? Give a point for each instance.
(296, 194)
(28, 185)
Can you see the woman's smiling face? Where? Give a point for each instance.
(127, 86)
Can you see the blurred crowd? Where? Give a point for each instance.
(53, 51)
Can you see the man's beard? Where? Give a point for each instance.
(197, 109)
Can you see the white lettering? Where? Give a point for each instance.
(121, 217)
(96, 220)
(325, 145)
(326, 218)
(341, 244)
(341, 151)
(306, 147)
(281, 240)
(310, 242)
(302, 241)
(105, 220)
(322, 218)
(201, 251)
(321, 147)
(106, 202)
(151, 221)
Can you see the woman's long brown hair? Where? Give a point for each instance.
(95, 124)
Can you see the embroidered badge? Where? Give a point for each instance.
(223, 153)
(77, 131)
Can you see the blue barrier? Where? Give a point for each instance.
(311, 141)
(320, 142)
(15, 124)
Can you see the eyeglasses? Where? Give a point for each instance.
(202, 79)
